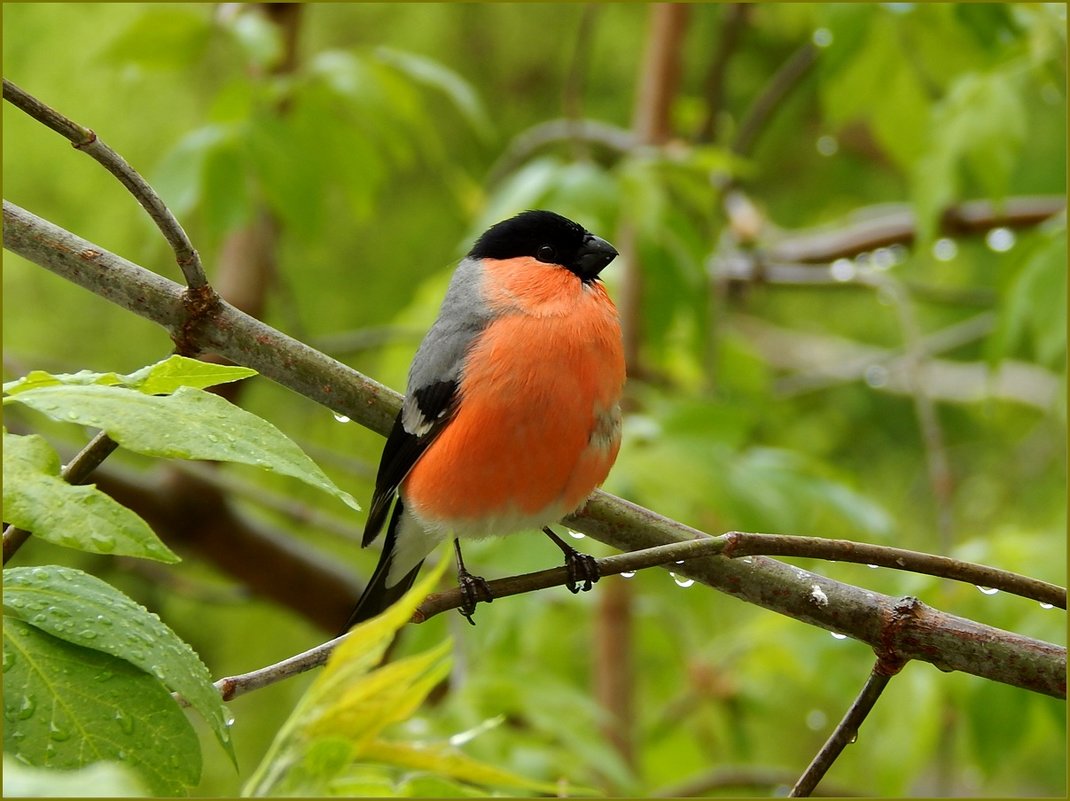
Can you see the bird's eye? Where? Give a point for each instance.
(546, 253)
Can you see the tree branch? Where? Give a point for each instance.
(189, 261)
(891, 224)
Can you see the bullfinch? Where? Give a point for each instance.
(511, 417)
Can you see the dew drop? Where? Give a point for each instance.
(816, 720)
(104, 621)
(945, 249)
(854, 738)
(126, 723)
(837, 636)
(41, 574)
(1043, 605)
(628, 574)
(104, 675)
(987, 590)
(681, 581)
(578, 535)
(341, 418)
(876, 376)
(9, 660)
(1000, 239)
(822, 37)
(103, 542)
(872, 567)
(842, 270)
(58, 733)
(27, 706)
(827, 145)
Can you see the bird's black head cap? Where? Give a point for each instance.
(547, 237)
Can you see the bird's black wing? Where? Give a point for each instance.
(434, 406)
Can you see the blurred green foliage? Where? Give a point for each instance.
(375, 154)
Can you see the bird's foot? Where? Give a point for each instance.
(581, 567)
(473, 590)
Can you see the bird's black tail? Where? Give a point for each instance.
(377, 596)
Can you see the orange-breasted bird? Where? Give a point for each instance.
(512, 416)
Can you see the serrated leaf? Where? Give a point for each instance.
(38, 500)
(67, 707)
(99, 780)
(161, 378)
(176, 371)
(83, 610)
(190, 424)
(305, 754)
(40, 378)
(443, 760)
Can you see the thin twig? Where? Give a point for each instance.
(747, 544)
(527, 143)
(572, 92)
(733, 22)
(780, 85)
(189, 261)
(932, 432)
(76, 472)
(844, 734)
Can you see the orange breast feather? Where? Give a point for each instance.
(537, 428)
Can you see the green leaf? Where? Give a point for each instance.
(444, 760)
(83, 610)
(176, 371)
(67, 707)
(99, 780)
(179, 176)
(260, 39)
(162, 39)
(161, 378)
(332, 737)
(190, 424)
(38, 500)
(979, 127)
(880, 70)
(227, 196)
(1036, 303)
(437, 76)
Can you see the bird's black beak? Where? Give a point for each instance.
(594, 254)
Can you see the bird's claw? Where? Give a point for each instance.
(473, 590)
(581, 567)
